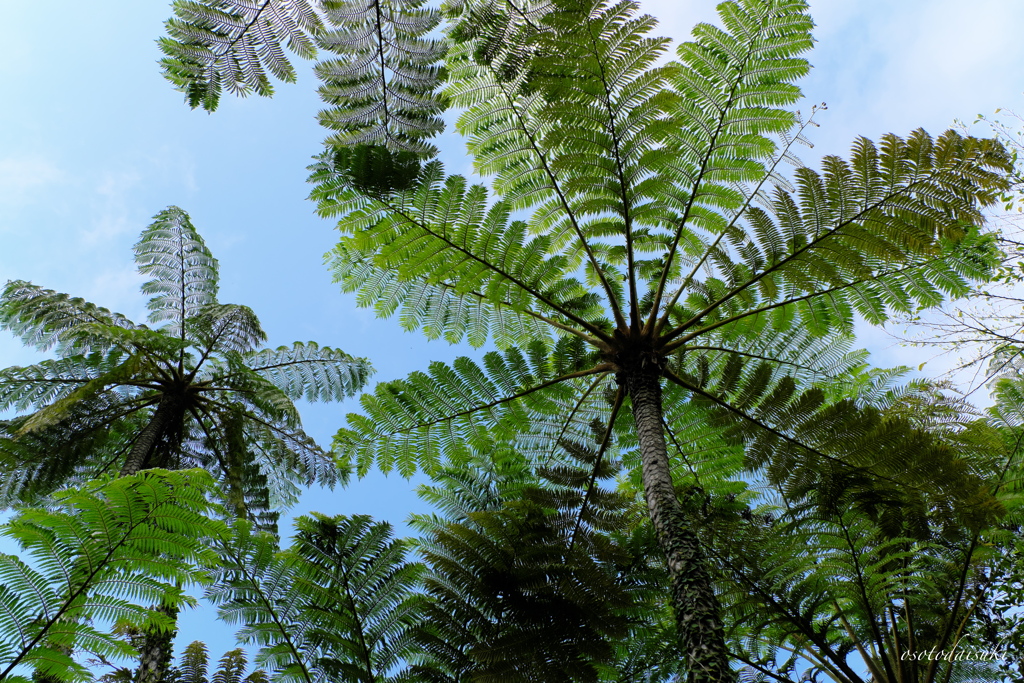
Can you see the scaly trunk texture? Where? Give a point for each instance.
(696, 606)
(150, 436)
(156, 651)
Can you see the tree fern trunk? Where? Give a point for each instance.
(149, 436)
(156, 651)
(696, 606)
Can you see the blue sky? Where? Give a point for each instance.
(93, 143)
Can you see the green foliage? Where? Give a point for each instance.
(197, 391)
(376, 169)
(532, 576)
(861, 579)
(639, 244)
(662, 186)
(217, 44)
(407, 421)
(95, 556)
(338, 604)
(195, 662)
(380, 85)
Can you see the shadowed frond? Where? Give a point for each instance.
(338, 604)
(530, 575)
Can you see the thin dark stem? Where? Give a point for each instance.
(606, 439)
(707, 252)
(862, 590)
(627, 217)
(603, 368)
(570, 214)
(574, 411)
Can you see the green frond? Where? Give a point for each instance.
(231, 667)
(225, 327)
(444, 235)
(59, 410)
(43, 318)
(215, 44)
(339, 603)
(524, 580)
(195, 662)
(309, 371)
(184, 272)
(381, 86)
(438, 308)
(890, 231)
(840, 454)
(433, 418)
(98, 554)
(52, 380)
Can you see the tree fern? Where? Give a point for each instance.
(643, 209)
(531, 576)
(194, 664)
(95, 556)
(195, 391)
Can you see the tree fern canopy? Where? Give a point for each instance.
(196, 391)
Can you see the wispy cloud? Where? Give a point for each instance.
(118, 290)
(21, 176)
(113, 216)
